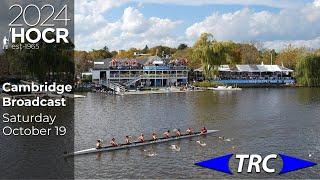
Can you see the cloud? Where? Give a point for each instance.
(86, 7)
(278, 45)
(131, 30)
(133, 21)
(268, 3)
(287, 25)
(298, 26)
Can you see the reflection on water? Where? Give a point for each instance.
(260, 121)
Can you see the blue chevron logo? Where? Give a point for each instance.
(290, 163)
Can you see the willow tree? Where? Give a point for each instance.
(308, 70)
(211, 54)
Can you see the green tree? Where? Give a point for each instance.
(145, 50)
(182, 46)
(211, 54)
(307, 71)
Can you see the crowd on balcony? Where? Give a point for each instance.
(152, 61)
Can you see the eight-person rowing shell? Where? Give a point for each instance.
(141, 139)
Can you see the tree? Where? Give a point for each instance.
(249, 54)
(265, 56)
(211, 54)
(128, 54)
(308, 70)
(289, 56)
(182, 46)
(100, 54)
(145, 50)
(162, 50)
(233, 53)
(187, 54)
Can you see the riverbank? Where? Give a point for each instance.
(161, 91)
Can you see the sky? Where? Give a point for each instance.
(122, 24)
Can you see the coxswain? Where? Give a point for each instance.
(154, 136)
(99, 144)
(141, 138)
(189, 131)
(178, 133)
(203, 130)
(127, 140)
(166, 134)
(113, 142)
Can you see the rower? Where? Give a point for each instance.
(154, 136)
(178, 133)
(141, 138)
(113, 142)
(189, 131)
(203, 130)
(98, 144)
(127, 141)
(167, 134)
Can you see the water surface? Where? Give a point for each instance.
(261, 121)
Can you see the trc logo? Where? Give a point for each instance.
(257, 162)
(254, 161)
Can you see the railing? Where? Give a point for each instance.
(114, 86)
(149, 76)
(156, 68)
(128, 83)
(257, 81)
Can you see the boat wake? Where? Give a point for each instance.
(149, 153)
(175, 147)
(201, 143)
(225, 139)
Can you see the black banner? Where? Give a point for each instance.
(36, 78)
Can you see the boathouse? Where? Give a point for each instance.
(150, 71)
(249, 74)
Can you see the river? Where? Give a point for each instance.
(259, 121)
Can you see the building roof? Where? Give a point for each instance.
(153, 60)
(102, 63)
(251, 68)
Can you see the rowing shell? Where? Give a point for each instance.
(136, 144)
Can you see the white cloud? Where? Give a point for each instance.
(269, 3)
(132, 30)
(133, 21)
(278, 45)
(297, 26)
(316, 3)
(86, 7)
(244, 25)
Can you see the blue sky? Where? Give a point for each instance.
(187, 13)
(121, 24)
